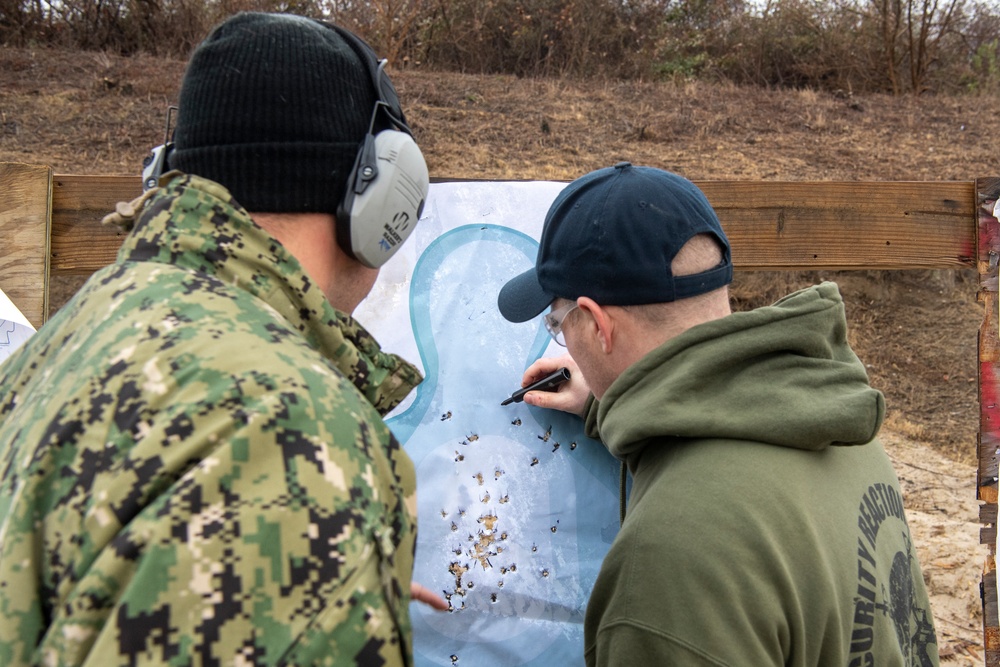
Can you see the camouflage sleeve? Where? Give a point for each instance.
(276, 530)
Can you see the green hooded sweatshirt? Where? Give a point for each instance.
(765, 523)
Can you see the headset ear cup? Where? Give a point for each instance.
(388, 184)
(155, 165)
(373, 224)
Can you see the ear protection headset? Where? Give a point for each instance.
(388, 184)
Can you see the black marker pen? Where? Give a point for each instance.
(550, 382)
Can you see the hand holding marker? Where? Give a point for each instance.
(550, 382)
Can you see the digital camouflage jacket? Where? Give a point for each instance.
(194, 466)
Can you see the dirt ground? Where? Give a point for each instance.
(915, 330)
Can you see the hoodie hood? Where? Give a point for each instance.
(781, 375)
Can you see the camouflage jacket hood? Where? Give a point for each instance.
(238, 252)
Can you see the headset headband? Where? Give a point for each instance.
(388, 98)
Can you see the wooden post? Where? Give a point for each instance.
(25, 220)
(988, 262)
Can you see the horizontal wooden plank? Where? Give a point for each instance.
(24, 229)
(990, 582)
(990, 615)
(847, 225)
(987, 514)
(988, 470)
(80, 243)
(772, 225)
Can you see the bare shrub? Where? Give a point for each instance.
(893, 46)
(20, 22)
(540, 38)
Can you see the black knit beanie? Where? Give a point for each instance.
(274, 108)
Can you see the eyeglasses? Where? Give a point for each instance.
(554, 321)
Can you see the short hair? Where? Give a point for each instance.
(701, 253)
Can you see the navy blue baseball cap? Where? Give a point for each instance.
(611, 235)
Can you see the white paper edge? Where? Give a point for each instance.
(10, 312)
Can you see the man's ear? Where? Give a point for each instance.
(603, 322)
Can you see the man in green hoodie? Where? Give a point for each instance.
(765, 524)
(193, 465)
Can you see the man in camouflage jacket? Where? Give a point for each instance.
(193, 465)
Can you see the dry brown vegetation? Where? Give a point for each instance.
(915, 330)
(903, 46)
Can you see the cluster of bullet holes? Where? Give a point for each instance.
(488, 543)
